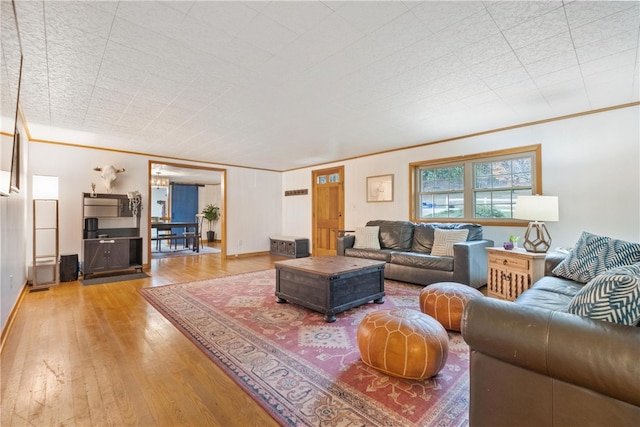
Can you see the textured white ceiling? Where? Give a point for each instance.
(281, 85)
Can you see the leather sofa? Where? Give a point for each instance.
(406, 248)
(534, 364)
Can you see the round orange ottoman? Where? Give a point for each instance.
(445, 302)
(403, 343)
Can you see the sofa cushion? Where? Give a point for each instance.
(375, 254)
(613, 296)
(367, 238)
(595, 254)
(475, 230)
(395, 235)
(445, 239)
(418, 260)
(423, 235)
(558, 285)
(543, 298)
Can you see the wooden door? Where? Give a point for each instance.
(328, 209)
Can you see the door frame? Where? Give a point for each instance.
(314, 207)
(223, 211)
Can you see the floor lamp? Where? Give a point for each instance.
(537, 209)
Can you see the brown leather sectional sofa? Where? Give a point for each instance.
(533, 364)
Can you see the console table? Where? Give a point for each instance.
(295, 247)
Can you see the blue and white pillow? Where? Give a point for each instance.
(613, 296)
(594, 254)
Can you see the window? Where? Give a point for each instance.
(482, 188)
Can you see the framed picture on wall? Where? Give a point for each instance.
(15, 164)
(380, 188)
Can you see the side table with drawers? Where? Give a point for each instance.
(511, 272)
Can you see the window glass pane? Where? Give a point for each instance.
(522, 179)
(483, 182)
(437, 198)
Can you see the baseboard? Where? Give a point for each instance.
(12, 316)
(247, 255)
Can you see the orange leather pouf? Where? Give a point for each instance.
(403, 343)
(445, 302)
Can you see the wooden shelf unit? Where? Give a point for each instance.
(46, 252)
(115, 244)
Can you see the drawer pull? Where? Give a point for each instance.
(505, 262)
(107, 241)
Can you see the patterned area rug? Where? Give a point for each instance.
(302, 370)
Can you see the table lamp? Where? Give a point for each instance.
(537, 209)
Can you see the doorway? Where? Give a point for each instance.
(209, 185)
(328, 209)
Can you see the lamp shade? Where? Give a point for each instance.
(45, 187)
(537, 208)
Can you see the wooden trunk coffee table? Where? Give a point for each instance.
(330, 284)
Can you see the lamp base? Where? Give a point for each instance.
(537, 238)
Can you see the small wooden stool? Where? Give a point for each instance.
(404, 343)
(445, 302)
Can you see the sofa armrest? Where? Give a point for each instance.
(551, 261)
(344, 242)
(470, 262)
(593, 354)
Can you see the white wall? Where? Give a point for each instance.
(211, 194)
(14, 226)
(248, 192)
(590, 162)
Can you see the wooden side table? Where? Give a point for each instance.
(510, 273)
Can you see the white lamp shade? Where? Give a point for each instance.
(45, 187)
(537, 208)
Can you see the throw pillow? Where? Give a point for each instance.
(367, 238)
(613, 296)
(444, 240)
(594, 254)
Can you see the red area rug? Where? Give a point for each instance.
(302, 370)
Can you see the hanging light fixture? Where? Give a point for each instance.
(159, 181)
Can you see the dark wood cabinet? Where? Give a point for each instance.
(111, 233)
(105, 254)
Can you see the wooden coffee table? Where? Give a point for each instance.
(330, 284)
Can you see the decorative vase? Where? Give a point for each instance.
(507, 245)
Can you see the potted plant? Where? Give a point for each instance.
(211, 213)
(512, 243)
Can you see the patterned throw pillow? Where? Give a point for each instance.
(444, 240)
(367, 238)
(594, 254)
(613, 296)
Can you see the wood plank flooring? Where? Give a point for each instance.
(102, 356)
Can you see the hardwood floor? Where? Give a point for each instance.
(102, 356)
